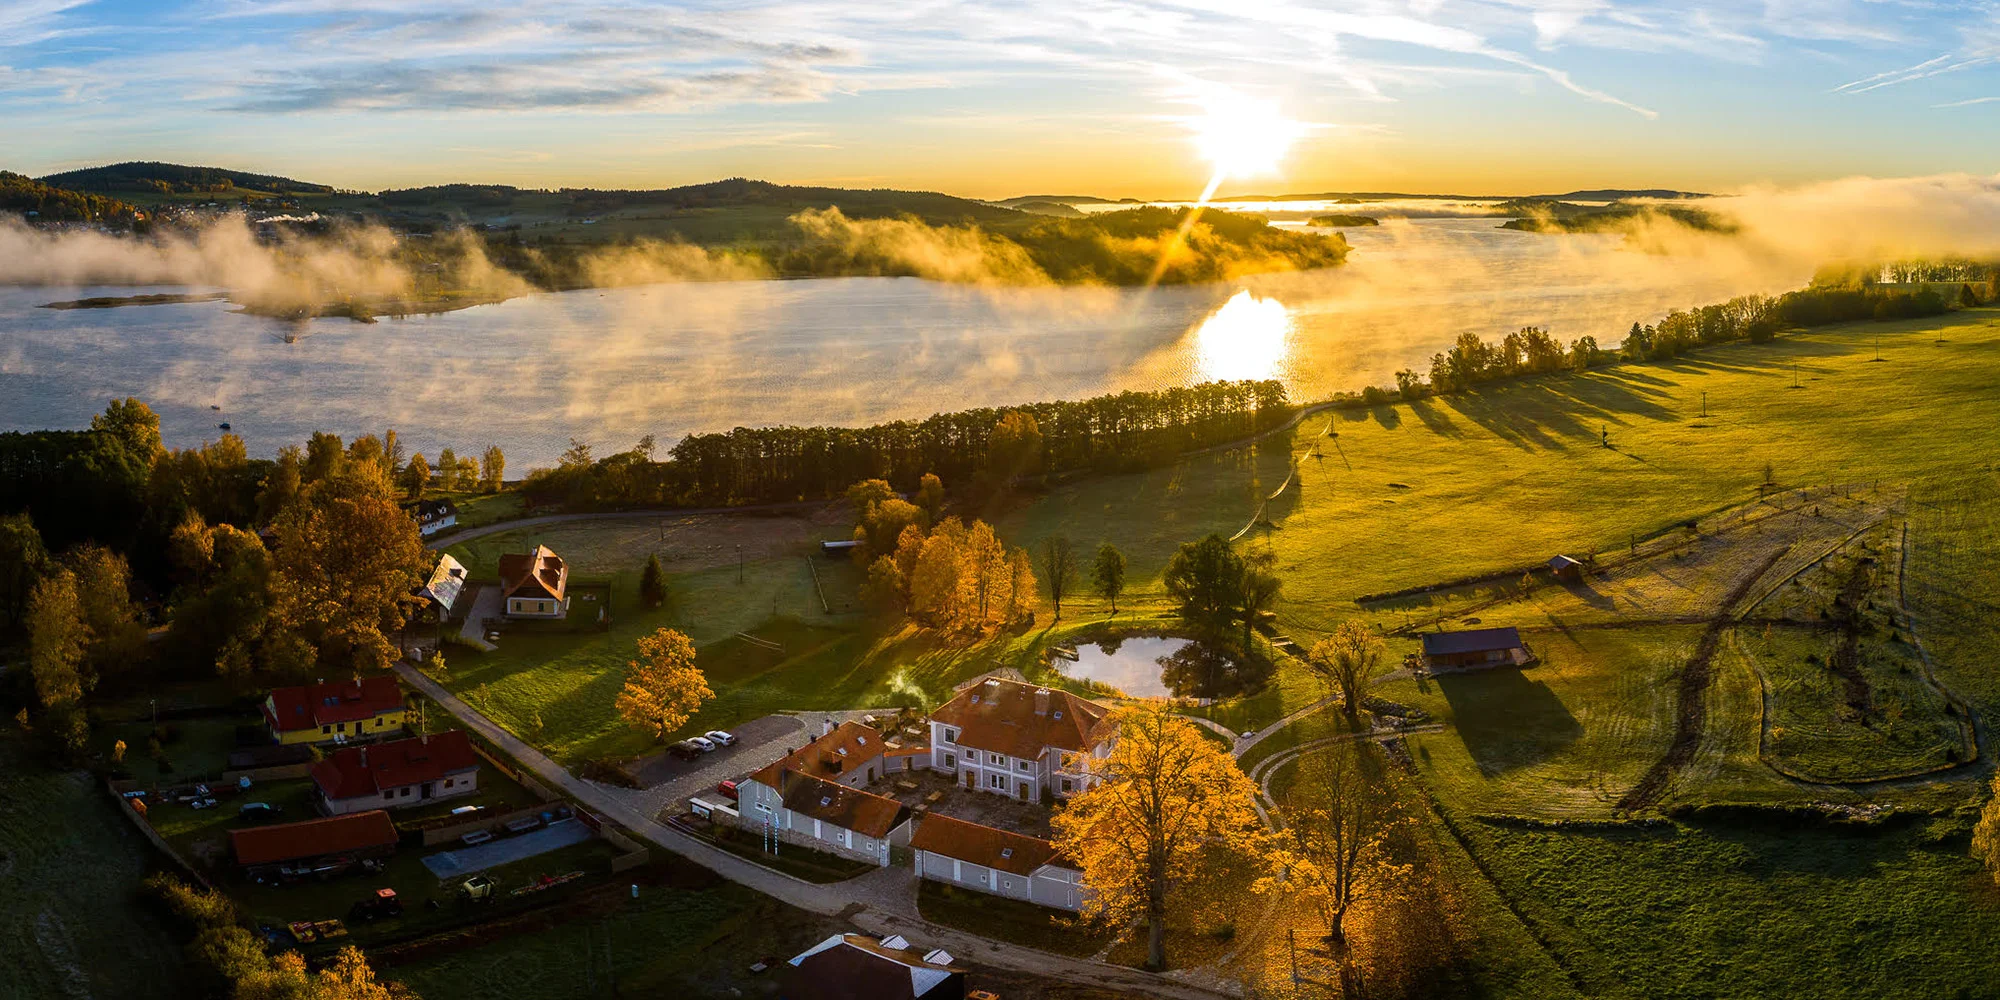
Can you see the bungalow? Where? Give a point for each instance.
(447, 582)
(534, 585)
(314, 843)
(813, 797)
(1003, 863)
(859, 967)
(1020, 740)
(363, 708)
(397, 774)
(1474, 649)
(434, 516)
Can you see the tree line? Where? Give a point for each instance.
(985, 447)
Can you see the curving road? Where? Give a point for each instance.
(880, 903)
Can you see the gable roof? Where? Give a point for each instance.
(984, 845)
(446, 583)
(1563, 562)
(353, 772)
(313, 838)
(858, 967)
(311, 706)
(539, 573)
(427, 511)
(1478, 640)
(865, 813)
(849, 747)
(1005, 716)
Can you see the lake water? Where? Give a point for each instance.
(1161, 667)
(610, 366)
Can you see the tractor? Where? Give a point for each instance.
(380, 906)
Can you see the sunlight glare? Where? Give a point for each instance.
(1242, 136)
(1247, 338)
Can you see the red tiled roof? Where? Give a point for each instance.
(538, 574)
(851, 808)
(848, 748)
(1003, 716)
(291, 709)
(983, 845)
(353, 772)
(313, 838)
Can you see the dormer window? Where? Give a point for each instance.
(1058, 713)
(826, 800)
(1006, 852)
(975, 699)
(842, 751)
(861, 740)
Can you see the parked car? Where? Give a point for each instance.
(261, 812)
(202, 804)
(685, 750)
(702, 743)
(720, 738)
(727, 789)
(476, 838)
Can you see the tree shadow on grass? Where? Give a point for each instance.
(1506, 719)
(1590, 595)
(1435, 419)
(1552, 414)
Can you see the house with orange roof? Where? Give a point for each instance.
(396, 774)
(814, 797)
(534, 585)
(1001, 862)
(1021, 740)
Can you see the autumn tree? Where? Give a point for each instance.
(416, 476)
(1345, 662)
(1335, 850)
(23, 560)
(930, 497)
(348, 977)
(325, 455)
(1163, 801)
(936, 579)
(447, 470)
(1986, 835)
(663, 687)
(882, 525)
(57, 640)
(1014, 449)
(281, 484)
(884, 589)
(866, 494)
(1058, 569)
(1108, 573)
(653, 582)
(104, 596)
(1021, 593)
(492, 469)
(348, 559)
(191, 551)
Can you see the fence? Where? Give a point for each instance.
(146, 829)
(631, 855)
(431, 836)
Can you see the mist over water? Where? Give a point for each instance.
(610, 365)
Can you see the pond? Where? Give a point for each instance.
(1162, 666)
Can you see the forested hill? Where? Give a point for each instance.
(148, 179)
(22, 194)
(736, 192)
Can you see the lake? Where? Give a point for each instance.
(608, 366)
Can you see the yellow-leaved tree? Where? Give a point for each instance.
(1986, 836)
(1164, 802)
(663, 687)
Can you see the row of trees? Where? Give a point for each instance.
(986, 447)
(229, 959)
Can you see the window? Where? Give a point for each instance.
(1024, 765)
(340, 727)
(825, 800)
(950, 762)
(1058, 713)
(406, 792)
(996, 781)
(390, 794)
(951, 736)
(1068, 786)
(325, 729)
(447, 782)
(996, 758)
(1006, 852)
(379, 721)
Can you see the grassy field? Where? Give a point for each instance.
(70, 865)
(1009, 920)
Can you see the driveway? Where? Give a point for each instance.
(888, 907)
(666, 779)
(487, 602)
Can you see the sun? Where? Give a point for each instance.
(1242, 136)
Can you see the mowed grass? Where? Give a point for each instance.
(1814, 731)
(1563, 739)
(72, 924)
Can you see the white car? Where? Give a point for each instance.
(720, 738)
(702, 743)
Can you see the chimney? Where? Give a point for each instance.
(1041, 701)
(827, 726)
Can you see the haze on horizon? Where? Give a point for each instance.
(1083, 97)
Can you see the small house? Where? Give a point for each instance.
(859, 967)
(363, 708)
(397, 774)
(306, 846)
(535, 585)
(1001, 862)
(1474, 649)
(1566, 569)
(447, 582)
(434, 516)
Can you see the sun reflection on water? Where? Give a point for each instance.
(1245, 339)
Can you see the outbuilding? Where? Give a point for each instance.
(1474, 649)
(1566, 569)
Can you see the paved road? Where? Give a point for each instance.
(885, 900)
(440, 541)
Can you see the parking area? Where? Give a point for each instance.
(944, 797)
(667, 781)
(555, 836)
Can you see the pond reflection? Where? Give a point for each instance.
(1163, 667)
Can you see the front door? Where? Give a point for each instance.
(1025, 787)
(970, 782)
(427, 788)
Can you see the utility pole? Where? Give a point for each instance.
(1704, 402)
(739, 564)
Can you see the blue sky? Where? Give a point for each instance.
(994, 99)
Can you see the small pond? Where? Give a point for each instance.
(1159, 666)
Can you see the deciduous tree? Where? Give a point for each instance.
(663, 687)
(930, 497)
(1206, 578)
(1165, 796)
(1109, 574)
(1058, 569)
(416, 476)
(1345, 662)
(492, 469)
(653, 582)
(23, 560)
(348, 559)
(57, 639)
(1014, 449)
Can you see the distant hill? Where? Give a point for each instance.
(1062, 199)
(1054, 208)
(1622, 194)
(1344, 221)
(23, 194)
(154, 179)
(734, 193)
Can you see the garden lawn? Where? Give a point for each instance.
(1010, 920)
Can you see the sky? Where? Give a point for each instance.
(1092, 97)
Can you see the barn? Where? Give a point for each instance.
(1474, 649)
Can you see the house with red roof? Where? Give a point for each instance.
(534, 585)
(814, 797)
(336, 841)
(397, 774)
(1001, 862)
(1020, 740)
(364, 708)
